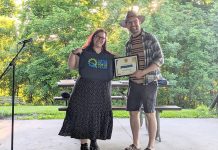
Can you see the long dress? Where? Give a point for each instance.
(89, 114)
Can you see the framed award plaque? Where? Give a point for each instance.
(125, 66)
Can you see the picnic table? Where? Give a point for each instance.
(122, 96)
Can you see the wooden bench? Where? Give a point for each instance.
(62, 99)
(159, 109)
(122, 84)
(8, 100)
(112, 97)
(64, 108)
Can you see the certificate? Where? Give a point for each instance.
(125, 66)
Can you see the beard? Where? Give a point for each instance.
(134, 30)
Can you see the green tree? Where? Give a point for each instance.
(59, 27)
(7, 8)
(7, 37)
(186, 41)
(187, 30)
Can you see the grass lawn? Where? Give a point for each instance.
(51, 112)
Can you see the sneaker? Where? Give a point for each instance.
(132, 147)
(84, 147)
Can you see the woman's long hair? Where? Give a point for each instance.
(90, 41)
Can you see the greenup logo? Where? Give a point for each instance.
(92, 62)
(98, 64)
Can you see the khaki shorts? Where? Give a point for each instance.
(139, 94)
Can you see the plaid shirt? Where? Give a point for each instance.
(152, 52)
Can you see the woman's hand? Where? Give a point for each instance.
(77, 51)
(73, 60)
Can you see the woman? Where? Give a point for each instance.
(89, 114)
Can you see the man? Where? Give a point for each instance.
(143, 83)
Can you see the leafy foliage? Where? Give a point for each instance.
(187, 31)
(7, 8)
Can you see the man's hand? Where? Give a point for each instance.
(138, 74)
(141, 73)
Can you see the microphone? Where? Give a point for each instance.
(26, 41)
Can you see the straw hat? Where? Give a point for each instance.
(132, 14)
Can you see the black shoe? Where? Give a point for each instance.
(84, 147)
(94, 145)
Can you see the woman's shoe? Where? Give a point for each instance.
(94, 145)
(84, 147)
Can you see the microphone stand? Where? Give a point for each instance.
(12, 64)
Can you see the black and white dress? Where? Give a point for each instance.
(89, 114)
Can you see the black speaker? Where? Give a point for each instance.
(65, 94)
